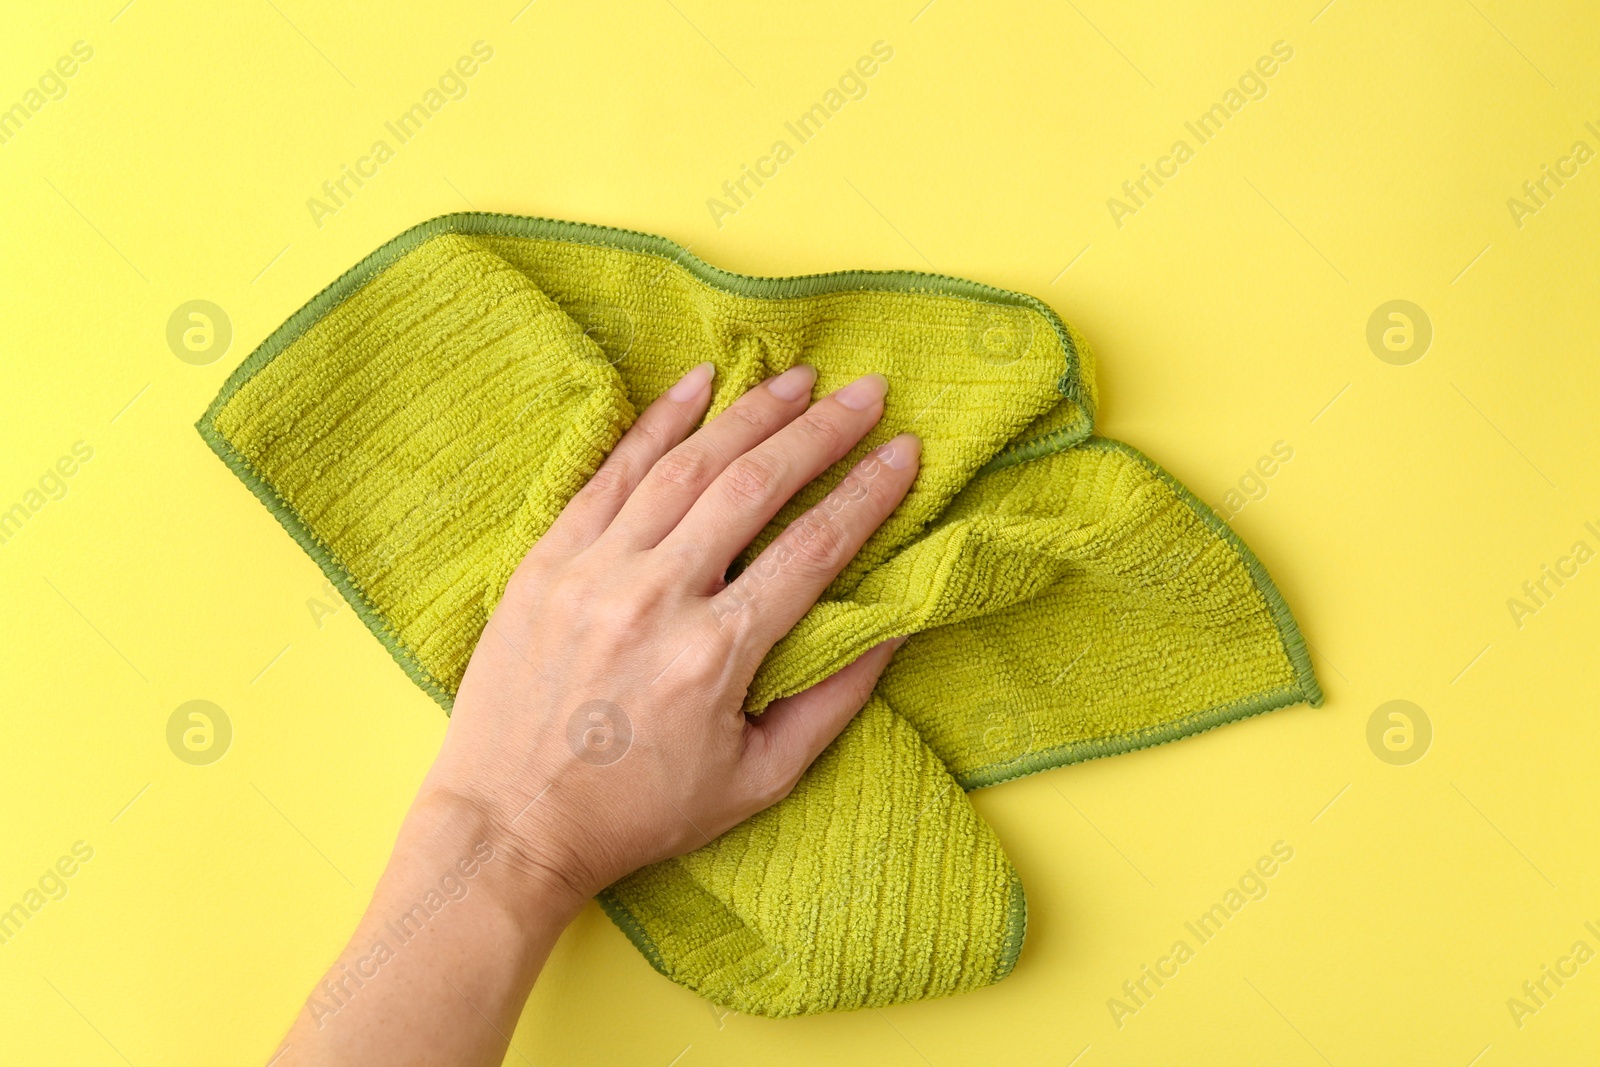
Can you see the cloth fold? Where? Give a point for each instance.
(421, 422)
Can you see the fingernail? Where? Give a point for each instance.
(864, 392)
(898, 641)
(899, 453)
(794, 383)
(692, 384)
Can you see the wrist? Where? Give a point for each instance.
(475, 843)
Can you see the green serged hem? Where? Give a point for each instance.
(1016, 928)
(469, 223)
(1079, 751)
(632, 929)
(1069, 385)
(335, 571)
(1069, 436)
(1294, 647)
(1010, 947)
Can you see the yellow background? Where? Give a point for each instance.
(1228, 314)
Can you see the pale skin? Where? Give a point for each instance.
(600, 725)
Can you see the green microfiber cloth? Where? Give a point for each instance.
(421, 422)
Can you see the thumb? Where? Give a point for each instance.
(792, 732)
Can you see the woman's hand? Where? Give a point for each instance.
(600, 725)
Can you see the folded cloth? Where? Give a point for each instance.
(421, 422)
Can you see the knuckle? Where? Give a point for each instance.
(855, 487)
(654, 434)
(750, 479)
(746, 415)
(707, 664)
(824, 425)
(818, 540)
(619, 615)
(607, 483)
(684, 465)
(568, 596)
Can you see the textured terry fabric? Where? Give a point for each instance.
(419, 424)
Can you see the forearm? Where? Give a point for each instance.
(443, 960)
